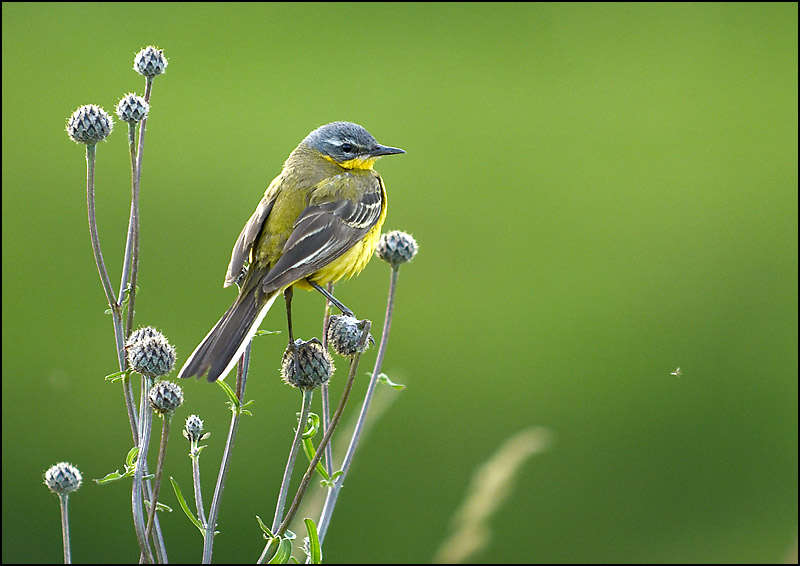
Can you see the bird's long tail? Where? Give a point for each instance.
(225, 343)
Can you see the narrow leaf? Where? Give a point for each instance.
(313, 542)
(283, 553)
(185, 507)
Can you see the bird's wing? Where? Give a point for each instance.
(325, 230)
(241, 250)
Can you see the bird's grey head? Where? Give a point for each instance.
(345, 141)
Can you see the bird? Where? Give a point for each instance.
(318, 222)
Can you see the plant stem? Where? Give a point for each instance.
(326, 404)
(162, 453)
(287, 472)
(198, 493)
(91, 152)
(141, 460)
(333, 493)
(241, 380)
(137, 178)
(64, 498)
(126, 262)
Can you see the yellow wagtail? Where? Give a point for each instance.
(319, 221)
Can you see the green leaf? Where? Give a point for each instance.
(311, 451)
(130, 459)
(313, 542)
(116, 376)
(130, 469)
(283, 553)
(383, 378)
(112, 477)
(265, 332)
(311, 426)
(185, 507)
(229, 392)
(264, 528)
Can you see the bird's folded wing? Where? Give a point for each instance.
(323, 232)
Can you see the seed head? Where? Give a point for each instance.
(397, 247)
(315, 364)
(63, 478)
(132, 108)
(165, 397)
(89, 124)
(150, 353)
(344, 335)
(150, 62)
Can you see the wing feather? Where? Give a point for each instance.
(324, 231)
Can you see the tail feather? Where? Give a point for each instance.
(224, 344)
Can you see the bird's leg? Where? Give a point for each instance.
(287, 295)
(334, 301)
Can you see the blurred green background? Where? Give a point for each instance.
(601, 193)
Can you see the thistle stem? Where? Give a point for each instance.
(64, 498)
(162, 453)
(287, 473)
(241, 380)
(326, 404)
(133, 232)
(141, 462)
(333, 493)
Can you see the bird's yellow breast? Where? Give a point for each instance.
(354, 260)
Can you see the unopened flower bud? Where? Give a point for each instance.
(132, 108)
(89, 124)
(150, 353)
(314, 365)
(150, 62)
(396, 247)
(193, 430)
(63, 478)
(165, 397)
(344, 335)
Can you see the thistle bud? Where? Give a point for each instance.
(193, 430)
(314, 365)
(396, 247)
(165, 397)
(89, 124)
(150, 62)
(150, 353)
(63, 478)
(132, 108)
(344, 335)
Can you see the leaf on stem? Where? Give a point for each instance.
(185, 507)
(314, 548)
(383, 378)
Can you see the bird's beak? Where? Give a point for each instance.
(385, 150)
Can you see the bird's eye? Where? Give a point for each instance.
(347, 148)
